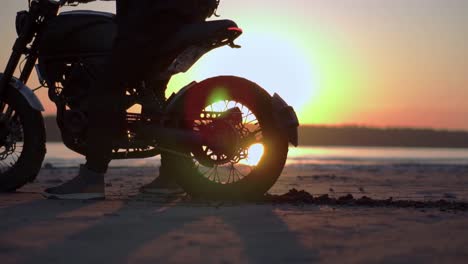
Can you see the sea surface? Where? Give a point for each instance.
(400, 173)
(60, 156)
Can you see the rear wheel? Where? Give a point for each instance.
(245, 153)
(22, 141)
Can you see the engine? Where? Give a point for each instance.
(69, 91)
(71, 54)
(79, 79)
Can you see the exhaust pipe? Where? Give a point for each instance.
(175, 139)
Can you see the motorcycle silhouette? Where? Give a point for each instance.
(225, 137)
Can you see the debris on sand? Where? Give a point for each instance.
(48, 166)
(302, 197)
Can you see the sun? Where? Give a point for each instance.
(272, 61)
(255, 155)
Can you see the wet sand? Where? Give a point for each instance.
(130, 227)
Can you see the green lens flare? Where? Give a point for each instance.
(218, 94)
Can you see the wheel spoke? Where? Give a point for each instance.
(12, 137)
(226, 165)
(217, 179)
(237, 173)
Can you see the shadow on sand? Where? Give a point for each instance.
(143, 229)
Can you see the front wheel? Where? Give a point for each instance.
(245, 153)
(22, 141)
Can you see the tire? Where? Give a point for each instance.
(262, 177)
(25, 167)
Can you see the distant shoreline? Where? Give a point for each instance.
(351, 136)
(381, 137)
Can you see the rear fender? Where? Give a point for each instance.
(174, 101)
(285, 118)
(27, 93)
(195, 40)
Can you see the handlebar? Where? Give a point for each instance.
(209, 9)
(76, 2)
(60, 2)
(64, 2)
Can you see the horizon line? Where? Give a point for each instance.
(368, 126)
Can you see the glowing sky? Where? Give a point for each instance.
(367, 62)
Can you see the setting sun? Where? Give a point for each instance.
(276, 63)
(255, 154)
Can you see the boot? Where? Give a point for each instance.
(87, 185)
(163, 184)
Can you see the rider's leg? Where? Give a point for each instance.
(130, 52)
(164, 26)
(106, 108)
(106, 117)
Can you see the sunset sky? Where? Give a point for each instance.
(366, 62)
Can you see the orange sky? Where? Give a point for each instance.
(366, 62)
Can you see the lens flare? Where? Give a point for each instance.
(218, 95)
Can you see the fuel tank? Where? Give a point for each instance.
(78, 33)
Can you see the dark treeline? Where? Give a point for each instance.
(386, 137)
(353, 136)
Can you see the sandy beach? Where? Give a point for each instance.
(154, 231)
(129, 227)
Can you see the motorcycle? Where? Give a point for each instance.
(223, 138)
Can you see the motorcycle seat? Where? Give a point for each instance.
(88, 12)
(197, 33)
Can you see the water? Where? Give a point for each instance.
(59, 155)
(378, 156)
(401, 173)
